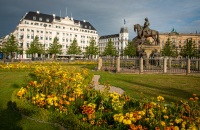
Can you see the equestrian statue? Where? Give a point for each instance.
(143, 32)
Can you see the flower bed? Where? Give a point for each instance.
(67, 96)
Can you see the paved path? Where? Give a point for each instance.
(100, 87)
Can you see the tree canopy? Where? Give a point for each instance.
(110, 50)
(35, 47)
(130, 50)
(74, 48)
(10, 46)
(189, 49)
(55, 48)
(169, 49)
(92, 49)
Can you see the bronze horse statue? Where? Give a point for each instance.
(151, 33)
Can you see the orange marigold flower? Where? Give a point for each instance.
(84, 119)
(172, 128)
(196, 98)
(83, 112)
(132, 126)
(167, 128)
(139, 126)
(191, 99)
(61, 102)
(194, 94)
(157, 128)
(64, 96)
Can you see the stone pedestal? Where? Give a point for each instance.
(148, 49)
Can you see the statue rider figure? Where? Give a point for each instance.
(146, 27)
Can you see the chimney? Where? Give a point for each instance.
(54, 16)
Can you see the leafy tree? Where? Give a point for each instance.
(74, 48)
(11, 46)
(189, 49)
(130, 50)
(169, 49)
(110, 50)
(55, 48)
(92, 49)
(35, 47)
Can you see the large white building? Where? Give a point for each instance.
(120, 40)
(47, 27)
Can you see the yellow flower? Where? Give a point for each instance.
(92, 122)
(176, 128)
(160, 98)
(121, 118)
(178, 120)
(162, 123)
(127, 121)
(165, 116)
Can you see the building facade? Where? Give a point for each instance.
(47, 27)
(119, 40)
(179, 39)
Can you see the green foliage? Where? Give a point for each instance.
(130, 50)
(35, 47)
(110, 50)
(55, 47)
(189, 50)
(74, 48)
(10, 46)
(169, 49)
(92, 49)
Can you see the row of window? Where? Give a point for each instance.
(113, 39)
(61, 27)
(184, 41)
(50, 38)
(102, 49)
(58, 33)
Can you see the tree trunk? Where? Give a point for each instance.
(11, 57)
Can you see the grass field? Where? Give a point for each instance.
(172, 87)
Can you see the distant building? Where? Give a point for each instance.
(47, 27)
(120, 40)
(179, 39)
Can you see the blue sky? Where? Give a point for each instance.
(107, 16)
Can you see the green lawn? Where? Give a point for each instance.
(172, 87)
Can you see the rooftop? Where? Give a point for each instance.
(46, 18)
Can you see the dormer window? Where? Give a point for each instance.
(47, 20)
(40, 19)
(34, 17)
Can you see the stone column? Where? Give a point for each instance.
(118, 64)
(141, 65)
(170, 63)
(165, 65)
(197, 63)
(198, 60)
(188, 66)
(99, 63)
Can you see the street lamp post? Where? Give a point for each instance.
(45, 25)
